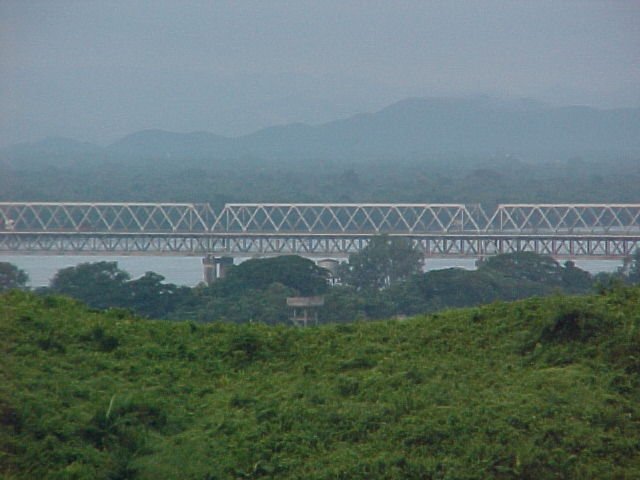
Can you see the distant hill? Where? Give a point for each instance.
(162, 144)
(413, 126)
(57, 151)
(465, 126)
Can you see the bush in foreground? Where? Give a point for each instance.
(541, 388)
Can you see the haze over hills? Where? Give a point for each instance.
(477, 125)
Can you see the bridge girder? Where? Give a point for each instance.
(248, 245)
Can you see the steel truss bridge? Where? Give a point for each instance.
(317, 230)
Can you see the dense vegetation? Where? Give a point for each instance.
(416, 150)
(382, 281)
(12, 277)
(451, 178)
(540, 388)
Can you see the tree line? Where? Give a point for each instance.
(423, 179)
(383, 280)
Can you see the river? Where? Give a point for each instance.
(188, 270)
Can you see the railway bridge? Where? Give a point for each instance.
(597, 231)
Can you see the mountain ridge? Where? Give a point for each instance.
(409, 126)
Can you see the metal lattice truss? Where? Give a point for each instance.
(567, 218)
(318, 218)
(352, 218)
(105, 217)
(444, 246)
(580, 230)
(611, 247)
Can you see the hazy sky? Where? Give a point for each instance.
(96, 70)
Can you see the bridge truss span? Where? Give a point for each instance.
(566, 218)
(339, 246)
(344, 218)
(105, 217)
(316, 229)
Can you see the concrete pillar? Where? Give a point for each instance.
(209, 265)
(332, 266)
(215, 268)
(223, 266)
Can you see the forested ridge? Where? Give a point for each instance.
(423, 150)
(488, 180)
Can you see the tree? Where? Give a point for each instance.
(575, 279)
(522, 267)
(150, 297)
(99, 285)
(257, 289)
(343, 304)
(12, 277)
(383, 262)
(632, 267)
(291, 271)
(525, 266)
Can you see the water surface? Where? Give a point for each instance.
(188, 270)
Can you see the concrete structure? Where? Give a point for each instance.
(215, 268)
(332, 266)
(304, 310)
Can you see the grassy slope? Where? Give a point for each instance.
(542, 388)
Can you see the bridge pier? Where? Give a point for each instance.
(215, 268)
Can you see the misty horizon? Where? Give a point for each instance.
(97, 71)
(471, 126)
(508, 102)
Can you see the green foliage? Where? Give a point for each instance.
(540, 388)
(574, 324)
(418, 179)
(217, 302)
(292, 271)
(100, 284)
(525, 266)
(541, 269)
(505, 277)
(385, 261)
(343, 304)
(103, 342)
(103, 285)
(150, 297)
(634, 272)
(12, 277)
(574, 279)
(454, 287)
(256, 290)
(634, 267)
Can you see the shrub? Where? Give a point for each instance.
(574, 324)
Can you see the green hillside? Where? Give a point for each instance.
(541, 388)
